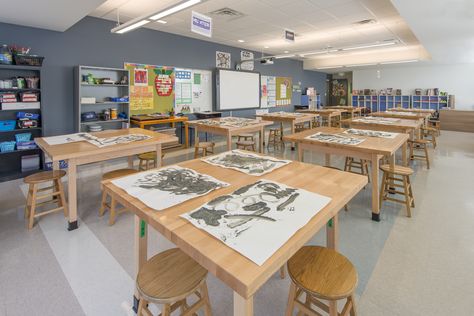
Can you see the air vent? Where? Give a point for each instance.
(367, 21)
(227, 12)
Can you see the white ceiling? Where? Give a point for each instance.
(56, 15)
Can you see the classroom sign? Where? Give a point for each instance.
(201, 24)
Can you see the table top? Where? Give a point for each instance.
(400, 124)
(341, 107)
(323, 112)
(250, 124)
(287, 116)
(238, 272)
(84, 148)
(151, 119)
(403, 115)
(431, 111)
(373, 145)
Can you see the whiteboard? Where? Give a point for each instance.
(193, 90)
(237, 90)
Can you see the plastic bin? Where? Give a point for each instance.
(7, 125)
(23, 137)
(7, 146)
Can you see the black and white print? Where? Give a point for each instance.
(257, 219)
(335, 138)
(109, 141)
(228, 121)
(169, 186)
(377, 120)
(370, 133)
(248, 163)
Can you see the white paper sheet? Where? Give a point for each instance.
(169, 186)
(377, 120)
(370, 133)
(123, 139)
(258, 219)
(335, 138)
(245, 162)
(228, 121)
(65, 139)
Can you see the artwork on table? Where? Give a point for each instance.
(370, 133)
(335, 138)
(65, 139)
(228, 121)
(223, 60)
(245, 162)
(287, 114)
(257, 219)
(169, 186)
(377, 120)
(401, 113)
(94, 140)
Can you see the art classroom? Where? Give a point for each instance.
(253, 157)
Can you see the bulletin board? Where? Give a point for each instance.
(160, 89)
(283, 91)
(268, 91)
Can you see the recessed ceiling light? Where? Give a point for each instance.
(399, 62)
(286, 51)
(162, 21)
(369, 46)
(240, 41)
(266, 47)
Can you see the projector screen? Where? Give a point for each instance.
(237, 90)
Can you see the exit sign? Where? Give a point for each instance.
(289, 36)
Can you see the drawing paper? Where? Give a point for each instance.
(370, 133)
(335, 138)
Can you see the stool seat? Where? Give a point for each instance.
(246, 143)
(323, 272)
(419, 141)
(44, 176)
(147, 156)
(170, 275)
(400, 170)
(205, 144)
(245, 135)
(118, 173)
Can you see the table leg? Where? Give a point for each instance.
(328, 159)
(130, 161)
(242, 306)
(375, 188)
(229, 141)
(140, 250)
(261, 138)
(56, 165)
(404, 154)
(196, 136)
(332, 233)
(158, 156)
(292, 132)
(72, 195)
(186, 135)
(300, 153)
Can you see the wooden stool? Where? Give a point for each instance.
(299, 127)
(246, 145)
(57, 194)
(429, 133)
(315, 123)
(435, 124)
(148, 160)
(362, 165)
(390, 182)
(419, 144)
(113, 204)
(203, 148)
(321, 274)
(274, 138)
(245, 137)
(168, 279)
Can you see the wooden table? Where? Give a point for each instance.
(232, 268)
(411, 127)
(413, 110)
(350, 109)
(405, 115)
(80, 153)
(288, 117)
(228, 131)
(325, 114)
(372, 149)
(147, 120)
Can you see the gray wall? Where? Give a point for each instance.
(90, 42)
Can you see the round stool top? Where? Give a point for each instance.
(170, 275)
(147, 156)
(400, 170)
(246, 143)
(44, 176)
(205, 144)
(323, 272)
(118, 173)
(275, 129)
(245, 135)
(419, 141)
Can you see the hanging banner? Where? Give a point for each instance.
(201, 24)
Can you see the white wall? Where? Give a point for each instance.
(455, 79)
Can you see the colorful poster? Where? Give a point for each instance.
(283, 91)
(268, 91)
(141, 98)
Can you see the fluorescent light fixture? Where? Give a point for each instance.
(329, 67)
(121, 30)
(176, 8)
(286, 51)
(162, 21)
(284, 56)
(369, 46)
(240, 41)
(361, 65)
(140, 21)
(319, 52)
(399, 62)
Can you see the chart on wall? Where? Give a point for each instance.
(193, 90)
(268, 91)
(283, 91)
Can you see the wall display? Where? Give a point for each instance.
(268, 91)
(370, 133)
(223, 60)
(228, 121)
(257, 219)
(201, 24)
(201, 90)
(335, 138)
(246, 60)
(339, 91)
(237, 90)
(283, 91)
(245, 162)
(183, 90)
(169, 186)
(152, 90)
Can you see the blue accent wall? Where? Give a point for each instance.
(89, 42)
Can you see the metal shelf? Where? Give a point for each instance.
(105, 103)
(20, 67)
(100, 122)
(18, 151)
(103, 85)
(22, 130)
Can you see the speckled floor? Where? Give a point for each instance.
(417, 266)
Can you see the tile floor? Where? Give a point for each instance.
(418, 266)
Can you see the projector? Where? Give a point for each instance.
(267, 61)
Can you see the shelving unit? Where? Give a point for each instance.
(384, 102)
(367, 101)
(433, 102)
(10, 162)
(101, 92)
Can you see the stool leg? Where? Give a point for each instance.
(141, 306)
(166, 310)
(32, 207)
(28, 201)
(346, 164)
(366, 165)
(291, 300)
(196, 152)
(427, 157)
(383, 187)
(354, 308)
(407, 196)
(205, 298)
(103, 203)
(62, 197)
(411, 192)
(113, 204)
(140, 165)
